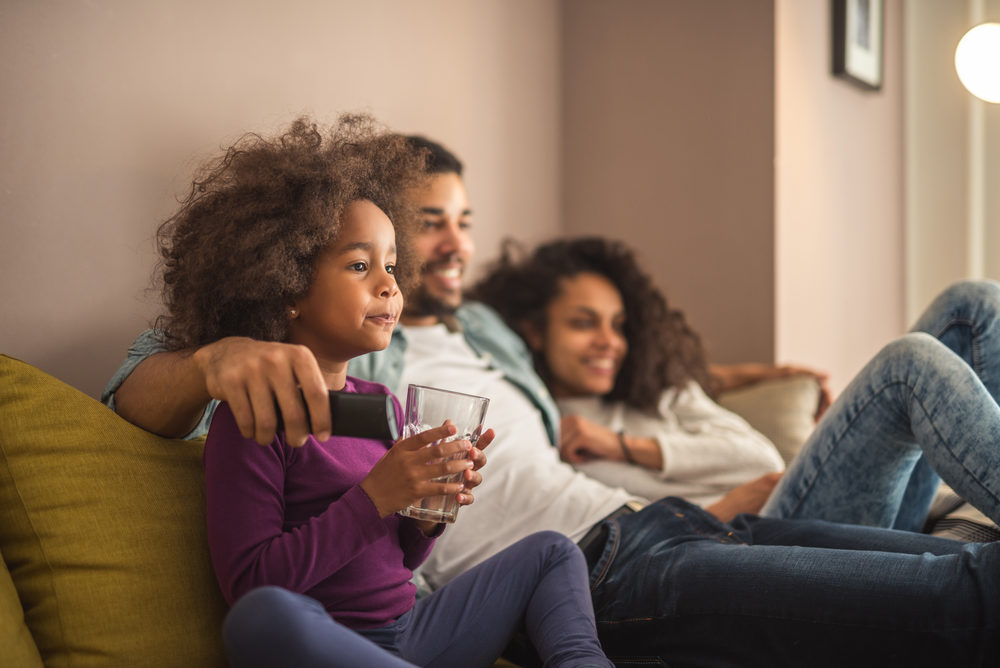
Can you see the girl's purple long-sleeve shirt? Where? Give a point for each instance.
(297, 518)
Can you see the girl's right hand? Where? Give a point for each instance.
(404, 474)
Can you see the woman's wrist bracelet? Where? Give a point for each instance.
(625, 450)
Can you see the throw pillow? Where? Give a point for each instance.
(102, 529)
(782, 409)
(15, 639)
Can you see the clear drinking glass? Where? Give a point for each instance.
(428, 407)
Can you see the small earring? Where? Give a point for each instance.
(293, 312)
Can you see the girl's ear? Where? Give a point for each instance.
(293, 312)
(532, 335)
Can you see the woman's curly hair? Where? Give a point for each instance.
(663, 350)
(244, 245)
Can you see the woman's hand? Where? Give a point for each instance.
(581, 440)
(405, 472)
(747, 498)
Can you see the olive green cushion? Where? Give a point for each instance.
(102, 532)
(18, 647)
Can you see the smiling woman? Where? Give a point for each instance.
(628, 374)
(584, 341)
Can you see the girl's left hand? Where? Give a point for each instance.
(471, 476)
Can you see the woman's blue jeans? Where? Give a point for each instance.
(676, 587)
(926, 403)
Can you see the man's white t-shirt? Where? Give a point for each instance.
(526, 488)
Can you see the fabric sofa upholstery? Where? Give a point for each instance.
(102, 536)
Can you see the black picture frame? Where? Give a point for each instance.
(858, 32)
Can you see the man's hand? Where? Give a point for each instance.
(251, 375)
(747, 498)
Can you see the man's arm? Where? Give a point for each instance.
(168, 391)
(164, 394)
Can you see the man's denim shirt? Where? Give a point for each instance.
(484, 331)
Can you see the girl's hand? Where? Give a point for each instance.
(404, 473)
(472, 477)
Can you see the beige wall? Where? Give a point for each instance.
(839, 198)
(668, 143)
(764, 195)
(953, 156)
(109, 104)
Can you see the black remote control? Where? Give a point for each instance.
(359, 416)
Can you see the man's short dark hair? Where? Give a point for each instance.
(439, 159)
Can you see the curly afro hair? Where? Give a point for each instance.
(663, 351)
(245, 242)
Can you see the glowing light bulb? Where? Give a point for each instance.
(977, 61)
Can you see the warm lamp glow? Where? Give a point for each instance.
(977, 61)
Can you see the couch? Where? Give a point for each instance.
(105, 559)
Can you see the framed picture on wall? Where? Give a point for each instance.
(857, 41)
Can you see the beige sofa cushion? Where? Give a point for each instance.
(782, 409)
(102, 531)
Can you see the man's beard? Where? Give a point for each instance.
(421, 304)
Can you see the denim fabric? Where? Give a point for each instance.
(922, 403)
(149, 343)
(539, 583)
(676, 587)
(271, 626)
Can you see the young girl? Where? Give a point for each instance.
(294, 239)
